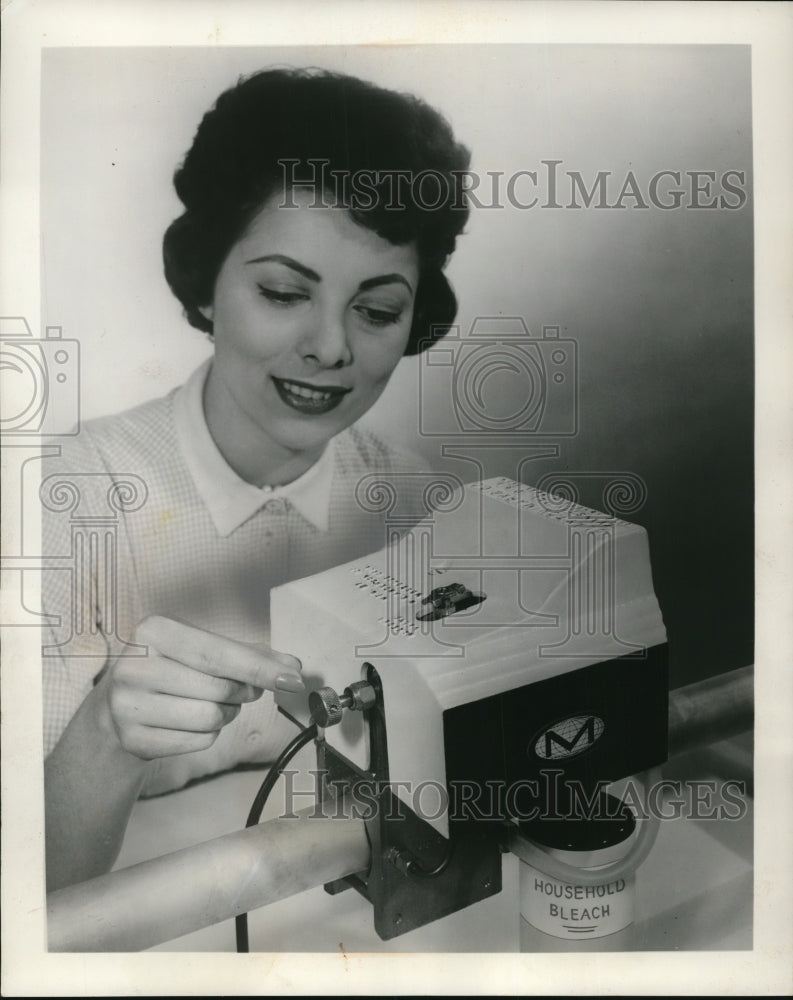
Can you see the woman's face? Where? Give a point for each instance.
(311, 314)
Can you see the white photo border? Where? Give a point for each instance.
(30, 26)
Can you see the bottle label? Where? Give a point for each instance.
(575, 911)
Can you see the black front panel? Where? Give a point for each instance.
(596, 724)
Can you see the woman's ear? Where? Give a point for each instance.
(208, 312)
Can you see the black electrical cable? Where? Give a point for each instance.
(303, 737)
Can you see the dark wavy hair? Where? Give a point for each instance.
(300, 117)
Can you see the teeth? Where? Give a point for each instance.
(301, 390)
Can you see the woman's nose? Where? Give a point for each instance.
(327, 344)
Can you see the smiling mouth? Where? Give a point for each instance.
(307, 398)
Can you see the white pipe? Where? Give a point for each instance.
(164, 898)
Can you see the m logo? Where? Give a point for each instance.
(569, 737)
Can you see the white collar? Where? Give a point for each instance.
(230, 500)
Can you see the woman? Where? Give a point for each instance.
(319, 213)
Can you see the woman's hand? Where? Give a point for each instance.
(191, 684)
(174, 700)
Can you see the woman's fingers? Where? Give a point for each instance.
(158, 673)
(193, 683)
(148, 743)
(164, 711)
(219, 656)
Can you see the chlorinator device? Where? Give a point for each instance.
(481, 678)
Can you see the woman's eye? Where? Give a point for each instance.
(280, 297)
(379, 317)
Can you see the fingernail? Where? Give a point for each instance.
(289, 682)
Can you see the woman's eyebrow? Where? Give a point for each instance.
(385, 279)
(307, 272)
(280, 258)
